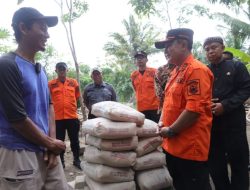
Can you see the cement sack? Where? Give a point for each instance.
(154, 159)
(154, 179)
(93, 185)
(86, 188)
(107, 129)
(117, 112)
(147, 145)
(107, 174)
(148, 129)
(108, 158)
(113, 145)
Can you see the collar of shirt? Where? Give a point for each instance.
(184, 65)
(222, 61)
(99, 85)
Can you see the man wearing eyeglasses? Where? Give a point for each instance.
(143, 84)
(228, 145)
(65, 94)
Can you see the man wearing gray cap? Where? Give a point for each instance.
(28, 147)
(229, 145)
(97, 91)
(186, 114)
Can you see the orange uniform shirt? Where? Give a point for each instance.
(189, 88)
(64, 97)
(146, 98)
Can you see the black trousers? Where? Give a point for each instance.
(188, 174)
(72, 127)
(152, 115)
(229, 148)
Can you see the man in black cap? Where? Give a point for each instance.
(65, 94)
(143, 84)
(28, 146)
(98, 91)
(186, 116)
(229, 145)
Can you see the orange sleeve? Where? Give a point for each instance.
(197, 90)
(132, 77)
(77, 90)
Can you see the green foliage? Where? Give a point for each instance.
(4, 34)
(120, 80)
(137, 37)
(121, 52)
(248, 67)
(79, 7)
(4, 37)
(84, 75)
(47, 57)
(144, 7)
(203, 11)
(229, 2)
(198, 52)
(242, 56)
(239, 31)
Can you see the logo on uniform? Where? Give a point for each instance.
(193, 87)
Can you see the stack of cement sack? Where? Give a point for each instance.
(113, 150)
(151, 172)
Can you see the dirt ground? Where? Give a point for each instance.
(70, 170)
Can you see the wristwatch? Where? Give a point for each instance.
(170, 133)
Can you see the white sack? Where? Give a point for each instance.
(154, 159)
(148, 129)
(93, 185)
(147, 145)
(108, 158)
(113, 145)
(117, 112)
(154, 179)
(107, 174)
(107, 129)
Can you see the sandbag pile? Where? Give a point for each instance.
(121, 143)
(149, 167)
(110, 154)
(117, 112)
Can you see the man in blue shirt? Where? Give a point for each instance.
(28, 147)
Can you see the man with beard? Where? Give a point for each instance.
(229, 145)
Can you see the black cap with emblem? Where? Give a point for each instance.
(173, 34)
(140, 53)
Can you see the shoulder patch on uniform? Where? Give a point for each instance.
(71, 83)
(193, 87)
